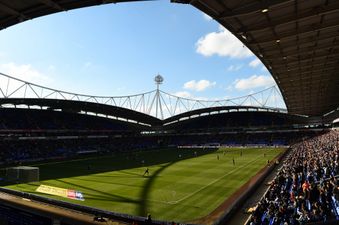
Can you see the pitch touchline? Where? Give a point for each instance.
(202, 188)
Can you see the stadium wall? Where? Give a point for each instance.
(19, 201)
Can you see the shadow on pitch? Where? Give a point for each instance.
(118, 162)
(110, 182)
(142, 209)
(109, 196)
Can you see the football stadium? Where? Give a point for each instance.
(159, 158)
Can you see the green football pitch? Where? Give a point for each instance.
(182, 185)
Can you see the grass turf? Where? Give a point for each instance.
(178, 188)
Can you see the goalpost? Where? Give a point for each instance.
(22, 174)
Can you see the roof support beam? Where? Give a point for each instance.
(205, 7)
(308, 39)
(252, 8)
(302, 31)
(52, 4)
(305, 52)
(302, 15)
(283, 66)
(318, 73)
(280, 60)
(12, 11)
(305, 45)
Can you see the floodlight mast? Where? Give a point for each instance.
(158, 80)
(158, 108)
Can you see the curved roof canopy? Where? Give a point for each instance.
(297, 40)
(78, 106)
(220, 110)
(131, 115)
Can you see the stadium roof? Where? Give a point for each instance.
(16, 11)
(131, 115)
(220, 110)
(297, 40)
(78, 106)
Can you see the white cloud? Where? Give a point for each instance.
(234, 67)
(199, 85)
(254, 81)
(222, 43)
(207, 17)
(254, 63)
(25, 72)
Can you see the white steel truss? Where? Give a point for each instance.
(156, 103)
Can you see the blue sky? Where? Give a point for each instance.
(117, 49)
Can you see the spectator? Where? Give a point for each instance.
(306, 187)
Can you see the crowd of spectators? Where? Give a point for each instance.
(305, 189)
(17, 152)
